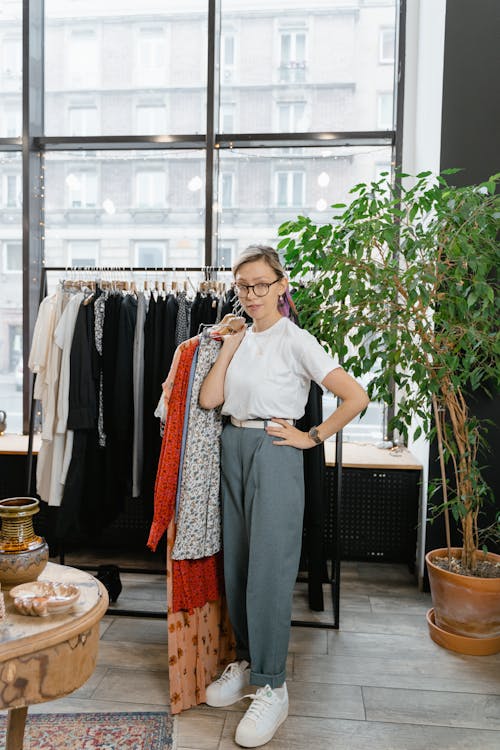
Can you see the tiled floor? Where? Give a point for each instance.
(379, 683)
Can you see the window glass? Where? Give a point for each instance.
(275, 185)
(226, 189)
(151, 119)
(323, 55)
(120, 52)
(83, 120)
(227, 118)
(387, 45)
(11, 293)
(150, 189)
(81, 187)
(385, 111)
(11, 71)
(150, 254)
(83, 70)
(117, 208)
(12, 257)
(83, 253)
(12, 59)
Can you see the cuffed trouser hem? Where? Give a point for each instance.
(273, 680)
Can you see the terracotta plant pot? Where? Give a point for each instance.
(23, 554)
(464, 605)
(461, 643)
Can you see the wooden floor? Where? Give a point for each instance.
(379, 683)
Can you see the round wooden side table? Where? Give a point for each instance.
(44, 658)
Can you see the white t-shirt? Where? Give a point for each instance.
(271, 371)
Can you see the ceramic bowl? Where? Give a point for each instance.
(42, 598)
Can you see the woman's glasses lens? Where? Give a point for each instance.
(260, 290)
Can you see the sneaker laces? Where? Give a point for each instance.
(231, 671)
(261, 701)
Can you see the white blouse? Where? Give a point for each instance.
(271, 371)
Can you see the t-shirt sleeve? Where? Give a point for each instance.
(316, 362)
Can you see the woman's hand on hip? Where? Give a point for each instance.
(289, 435)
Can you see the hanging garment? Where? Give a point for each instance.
(314, 512)
(99, 313)
(184, 430)
(200, 641)
(84, 480)
(63, 438)
(198, 532)
(182, 322)
(168, 465)
(44, 360)
(159, 348)
(138, 377)
(151, 438)
(122, 434)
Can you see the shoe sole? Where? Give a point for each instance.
(228, 701)
(265, 738)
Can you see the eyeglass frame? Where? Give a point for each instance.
(252, 287)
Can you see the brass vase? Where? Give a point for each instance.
(23, 554)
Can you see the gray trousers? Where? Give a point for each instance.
(262, 510)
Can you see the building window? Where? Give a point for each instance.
(384, 111)
(82, 189)
(150, 254)
(387, 40)
(12, 58)
(83, 59)
(12, 257)
(11, 123)
(228, 57)
(83, 253)
(12, 191)
(151, 119)
(151, 56)
(227, 119)
(225, 253)
(83, 121)
(291, 117)
(226, 190)
(292, 56)
(150, 189)
(290, 188)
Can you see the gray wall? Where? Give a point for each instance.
(470, 139)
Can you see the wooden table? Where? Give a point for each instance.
(44, 658)
(366, 456)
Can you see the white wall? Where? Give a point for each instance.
(425, 26)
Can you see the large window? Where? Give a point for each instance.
(123, 208)
(129, 90)
(11, 261)
(124, 54)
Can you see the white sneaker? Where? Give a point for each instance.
(268, 711)
(231, 685)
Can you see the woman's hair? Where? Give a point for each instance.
(271, 257)
(259, 252)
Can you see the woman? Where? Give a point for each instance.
(262, 377)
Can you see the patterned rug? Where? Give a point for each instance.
(97, 731)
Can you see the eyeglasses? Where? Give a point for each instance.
(260, 289)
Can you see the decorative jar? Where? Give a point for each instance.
(23, 554)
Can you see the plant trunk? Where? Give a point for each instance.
(463, 454)
(469, 547)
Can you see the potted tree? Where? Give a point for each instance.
(402, 285)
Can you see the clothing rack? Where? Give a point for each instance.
(208, 271)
